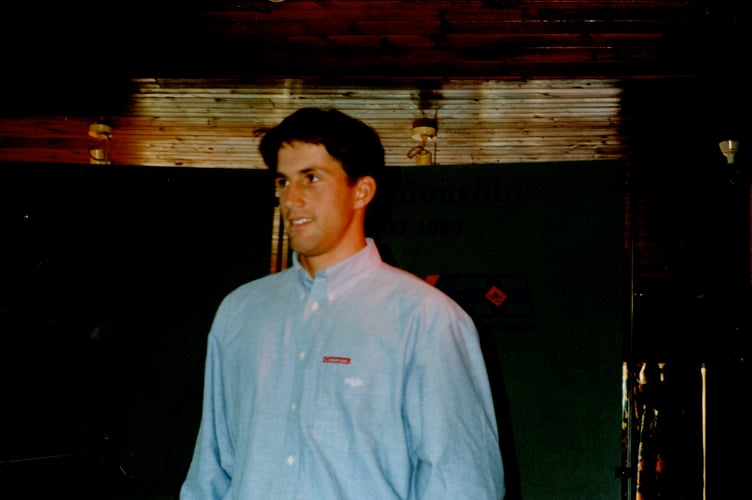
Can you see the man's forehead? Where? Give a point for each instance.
(303, 157)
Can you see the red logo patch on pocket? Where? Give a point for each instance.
(337, 360)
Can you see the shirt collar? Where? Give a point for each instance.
(342, 275)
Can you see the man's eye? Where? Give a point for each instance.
(312, 178)
(280, 183)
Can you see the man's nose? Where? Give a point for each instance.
(293, 196)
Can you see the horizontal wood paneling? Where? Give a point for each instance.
(205, 123)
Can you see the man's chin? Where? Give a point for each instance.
(299, 245)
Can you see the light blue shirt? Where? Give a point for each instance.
(362, 383)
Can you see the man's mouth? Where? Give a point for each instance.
(299, 221)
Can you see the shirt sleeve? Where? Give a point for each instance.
(450, 416)
(210, 473)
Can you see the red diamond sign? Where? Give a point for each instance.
(496, 296)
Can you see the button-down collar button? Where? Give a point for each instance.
(314, 306)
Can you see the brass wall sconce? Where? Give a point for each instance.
(729, 149)
(424, 130)
(100, 151)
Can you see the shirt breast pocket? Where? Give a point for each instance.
(352, 409)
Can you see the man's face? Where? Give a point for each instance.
(322, 210)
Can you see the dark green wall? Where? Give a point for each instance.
(551, 238)
(109, 278)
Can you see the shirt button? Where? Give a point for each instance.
(301, 355)
(315, 306)
(293, 407)
(290, 460)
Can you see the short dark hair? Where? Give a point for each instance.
(356, 145)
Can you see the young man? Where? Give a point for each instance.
(341, 377)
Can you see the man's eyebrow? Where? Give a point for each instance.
(302, 171)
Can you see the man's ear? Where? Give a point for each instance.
(365, 190)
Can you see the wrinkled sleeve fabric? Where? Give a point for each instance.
(449, 414)
(210, 474)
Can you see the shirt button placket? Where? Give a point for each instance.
(294, 414)
(294, 406)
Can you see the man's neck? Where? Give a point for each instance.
(316, 263)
